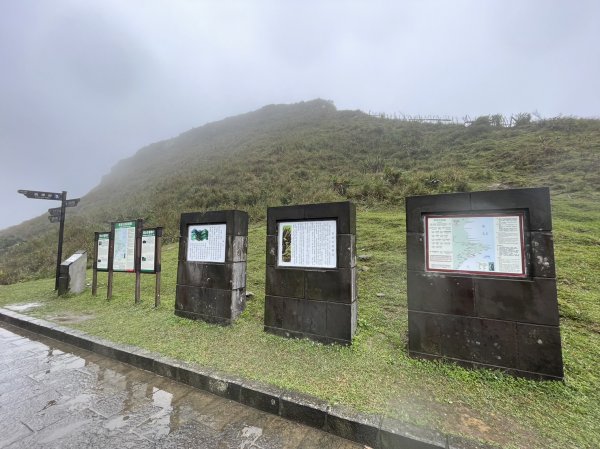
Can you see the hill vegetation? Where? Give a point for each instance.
(311, 152)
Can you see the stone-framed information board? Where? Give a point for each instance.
(311, 272)
(211, 272)
(481, 281)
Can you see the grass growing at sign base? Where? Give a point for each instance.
(374, 374)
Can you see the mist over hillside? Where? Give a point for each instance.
(311, 152)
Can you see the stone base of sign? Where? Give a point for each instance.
(72, 274)
(213, 292)
(504, 323)
(314, 303)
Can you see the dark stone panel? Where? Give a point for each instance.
(225, 276)
(395, 434)
(271, 250)
(182, 249)
(238, 302)
(417, 205)
(344, 212)
(490, 342)
(331, 285)
(424, 332)
(542, 255)
(274, 311)
(314, 318)
(352, 425)
(261, 397)
(293, 311)
(346, 251)
(282, 213)
(340, 319)
(285, 282)
(415, 251)
(540, 349)
(532, 301)
(199, 300)
(304, 409)
(439, 293)
(236, 248)
(536, 200)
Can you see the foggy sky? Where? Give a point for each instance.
(85, 84)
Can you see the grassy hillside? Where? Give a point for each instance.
(310, 152)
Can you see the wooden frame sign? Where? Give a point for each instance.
(125, 252)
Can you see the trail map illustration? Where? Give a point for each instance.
(479, 244)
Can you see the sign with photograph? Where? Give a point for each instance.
(489, 244)
(307, 244)
(103, 244)
(206, 243)
(124, 247)
(148, 251)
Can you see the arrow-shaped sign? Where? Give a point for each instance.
(72, 202)
(55, 211)
(54, 218)
(41, 195)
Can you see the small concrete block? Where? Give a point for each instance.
(352, 425)
(343, 212)
(225, 386)
(274, 311)
(236, 248)
(417, 205)
(193, 375)
(535, 200)
(285, 282)
(293, 311)
(542, 255)
(282, 213)
(283, 332)
(533, 301)
(431, 292)
(540, 349)
(163, 367)
(208, 275)
(395, 434)
(331, 285)
(260, 396)
(303, 409)
(346, 251)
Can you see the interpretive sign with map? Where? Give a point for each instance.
(103, 245)
(490, 244)
(124, 249)
(206, 243)
(307, 244)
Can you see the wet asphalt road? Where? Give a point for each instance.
(53, 395)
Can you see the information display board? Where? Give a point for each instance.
(124, 246)
(103, 246)
(148, 261)
(492, 244)
(206, 243)
(307, 244)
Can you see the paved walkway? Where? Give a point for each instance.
(55, 396)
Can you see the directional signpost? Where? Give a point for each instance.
(57, 215)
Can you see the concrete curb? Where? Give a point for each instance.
(372, 430)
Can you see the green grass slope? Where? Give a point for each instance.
(374, 374)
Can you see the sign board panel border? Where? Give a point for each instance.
(311, 235)
(523, 272)
(102, 236)
(130, 249)
(155, 233)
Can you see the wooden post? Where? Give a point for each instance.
(111, 251)
(95, 265)
(138, 258)
(157, 266)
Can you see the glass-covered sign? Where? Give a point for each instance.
(148, 251)
(124, 249)
(491, 244)
(206, 243)
(103, 242)
(307, 244)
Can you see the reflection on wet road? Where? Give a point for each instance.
(55, 396)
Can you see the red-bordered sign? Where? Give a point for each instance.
(489, 244)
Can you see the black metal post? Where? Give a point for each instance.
(60, 236)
